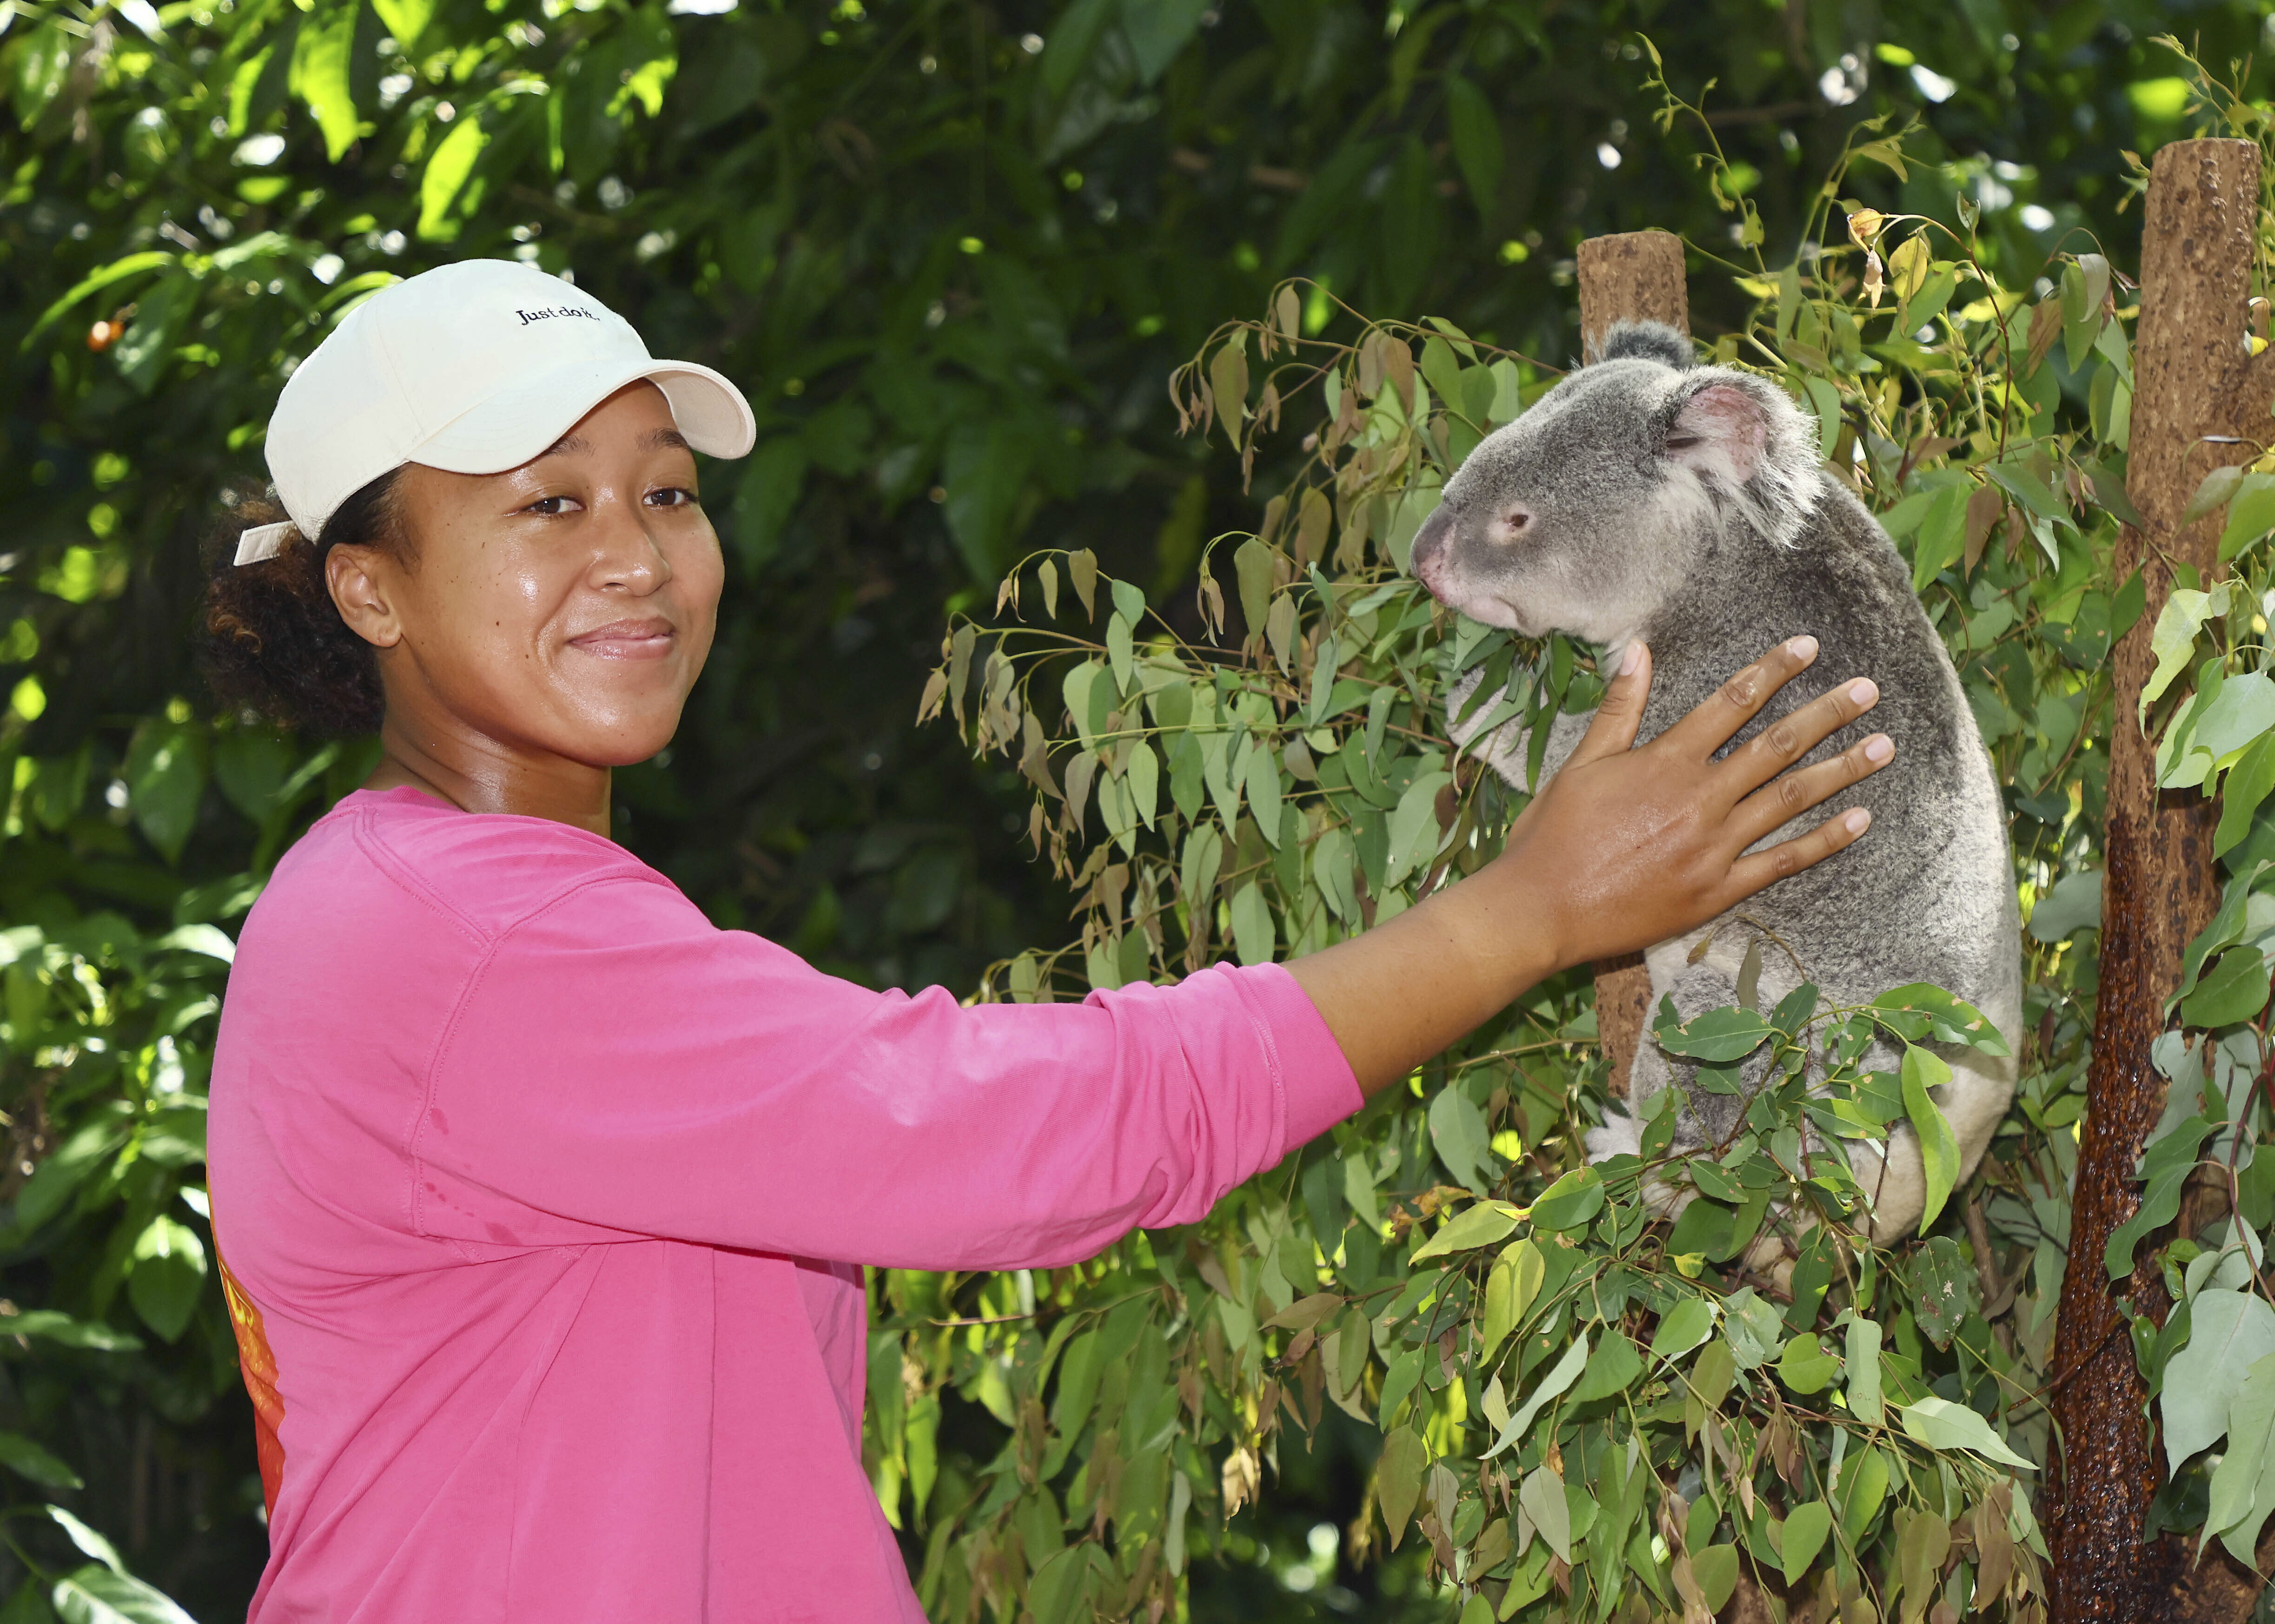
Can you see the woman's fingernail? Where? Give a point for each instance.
(1632, 660)
(1880, 747)
(1803, 647)
(1863, 691)
(1856, 822)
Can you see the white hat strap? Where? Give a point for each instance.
(264, 541)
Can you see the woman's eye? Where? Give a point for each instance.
(549, 506)
(672, 496)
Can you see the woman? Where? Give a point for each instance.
(542, 1202)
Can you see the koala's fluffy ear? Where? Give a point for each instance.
(1750, 445)
(1644, 341)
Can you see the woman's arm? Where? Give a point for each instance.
(1623, 848)
(618, 1067)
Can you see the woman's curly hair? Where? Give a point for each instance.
(274, 641)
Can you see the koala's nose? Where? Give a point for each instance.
(1430, 540)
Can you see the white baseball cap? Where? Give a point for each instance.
(471, 368)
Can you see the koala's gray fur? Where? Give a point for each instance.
(1646, 497)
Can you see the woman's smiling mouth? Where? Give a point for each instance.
(649, 638)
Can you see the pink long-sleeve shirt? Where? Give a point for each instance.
(542, 1204)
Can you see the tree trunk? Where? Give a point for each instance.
(2192, 375)
(1633, 277)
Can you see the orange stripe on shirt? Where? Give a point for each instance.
(259, 1365)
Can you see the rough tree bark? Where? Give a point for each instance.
(1633, 277)
(2192, 378)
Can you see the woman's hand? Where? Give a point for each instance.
(1628, 847)
(1622, 849)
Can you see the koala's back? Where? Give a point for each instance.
(1928, 894)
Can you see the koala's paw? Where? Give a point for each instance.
(1619, 1136)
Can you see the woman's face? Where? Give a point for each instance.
(562, 608)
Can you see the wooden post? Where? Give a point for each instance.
(2193, 378)
(1633, 277)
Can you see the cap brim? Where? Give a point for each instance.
(517, 423)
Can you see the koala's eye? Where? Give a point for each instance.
(1516, 518)
(1681, 442)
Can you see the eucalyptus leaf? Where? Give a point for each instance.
(1571, 1201)
(1941, 1424)
(2242, 1489)
(1614, 1363)
(1457, 1130)
(1864, 1371)
(2229, 1333)
(1924, 1069)
(1684, 1327)
(1715, 1570)
(1413, 826)
(1542, 1497)
(1806, 1529)
(1512, 1287)
(1398, 1479)
(1550, 1387)
(1252, 932)
(1472, 1227)
(2235, 989)
(1717, 1037)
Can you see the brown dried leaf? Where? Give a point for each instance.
(1994, 1543)
(1276, 512)
(1212, 605)
(935, 690)
(1398, 369)
(1358, 524)
(1034, 757)
(2045, 327)
(1304, 1313)
(1369, 365)
(1109, 887)
(1784, 1445)
(1982, 512)
(1243, 1474)
(1080, 772)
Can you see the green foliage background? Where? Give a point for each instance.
(952, 251)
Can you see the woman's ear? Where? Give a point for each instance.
(354, 577)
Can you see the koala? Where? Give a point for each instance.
(1648, 497)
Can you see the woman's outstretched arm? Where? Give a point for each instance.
(1625, 846)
